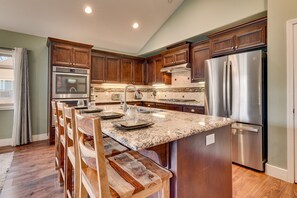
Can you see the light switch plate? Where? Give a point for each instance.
(210, 139)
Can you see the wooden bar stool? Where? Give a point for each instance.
(128, 174)
(111, 148)
(57, 140)
(61, 142)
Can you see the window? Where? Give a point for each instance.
(6, 79)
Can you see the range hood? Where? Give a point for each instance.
(177, 68)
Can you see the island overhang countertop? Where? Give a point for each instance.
(168, 127)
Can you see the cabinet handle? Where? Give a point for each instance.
(193, 110)
(232, 48)
(236, 47)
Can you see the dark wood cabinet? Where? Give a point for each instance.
(62, 55)
(138, 72)
(69, 54)
(199, 53)
(116, 68)
(176, 55)
(137, 103)
(153, 74)
(193, 109)
(98, 68)
(126, 70)
(173, 107)
(81, 57)
(243, 37)
(112, 69)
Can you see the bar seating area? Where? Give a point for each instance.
(91, 164)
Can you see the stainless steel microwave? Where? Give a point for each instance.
(68, 82)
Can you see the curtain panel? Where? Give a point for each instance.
(21, 132)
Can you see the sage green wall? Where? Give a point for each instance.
(195, 17)
(278, 13)
(38, 75)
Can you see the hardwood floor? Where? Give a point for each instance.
(32, 174)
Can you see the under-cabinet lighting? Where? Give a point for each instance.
(113, 85)
(159, 85)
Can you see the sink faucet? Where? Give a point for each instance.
(125, 97)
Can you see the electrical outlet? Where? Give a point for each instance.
(210, 139)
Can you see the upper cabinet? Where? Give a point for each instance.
(199, 53)
(153, 74)
(69, 54)
(116, 68)
(176, 55)
(244, 37)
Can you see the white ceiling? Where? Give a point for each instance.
(108, 27)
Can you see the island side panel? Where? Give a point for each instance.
(200, 170)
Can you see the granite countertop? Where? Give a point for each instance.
(168, 126)
(194, 103)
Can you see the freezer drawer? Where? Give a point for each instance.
(247, 145)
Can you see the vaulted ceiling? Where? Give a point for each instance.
(109, 26)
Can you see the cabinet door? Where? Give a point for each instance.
(193, 109)
(81, 57)
(98, 68)
(199, 54)
(112, 69)
(138, 73)
(151, 71)
(222, 44)
(251, 36)
(181, 56)
(126, 70)
(61, 55)
(159, 74)
(168, 59)
(172, 107)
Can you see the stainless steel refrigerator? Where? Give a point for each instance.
(235, 87)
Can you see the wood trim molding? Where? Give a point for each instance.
(290, 101)
(56, 40)
(277, 172)
(35, 138)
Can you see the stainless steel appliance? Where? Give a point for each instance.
(235, 87)
(70, 82)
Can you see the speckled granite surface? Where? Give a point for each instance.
(169, 126)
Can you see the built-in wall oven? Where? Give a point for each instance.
(70, 83)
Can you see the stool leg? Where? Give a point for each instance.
(68, 176)
(61, 159)
(165, 193)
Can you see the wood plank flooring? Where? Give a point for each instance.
(33, 174)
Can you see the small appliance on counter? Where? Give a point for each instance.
(138, 95)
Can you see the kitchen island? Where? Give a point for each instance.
(196, 148)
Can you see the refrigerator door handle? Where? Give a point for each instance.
(225, 88)
(229, 88)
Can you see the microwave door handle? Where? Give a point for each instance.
(224, 87)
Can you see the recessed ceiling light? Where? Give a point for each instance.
(88, 10)
(135, 25)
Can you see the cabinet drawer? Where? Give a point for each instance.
(169, 107)
(139, 103)
(193, 109)
(149, 104)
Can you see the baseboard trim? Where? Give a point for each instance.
(5, 142)
(35, 138)
(276, 172)
(39, 137)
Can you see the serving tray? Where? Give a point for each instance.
(131, 124)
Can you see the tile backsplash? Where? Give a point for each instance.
(181, 88)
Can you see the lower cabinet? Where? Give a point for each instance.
(149, 104)
(137, 103)
(193, 109)
(169, 106)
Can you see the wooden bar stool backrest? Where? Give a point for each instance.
(90, 126)
(60, 119)
(69, 124)
(54, 113)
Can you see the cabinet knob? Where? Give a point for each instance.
(236, 47)
(193, 110)
(148, 105)
(232, 48)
